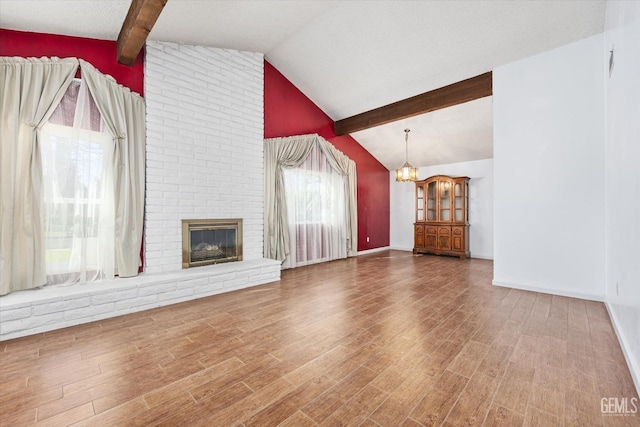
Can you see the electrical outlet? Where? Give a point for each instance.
(367, 239)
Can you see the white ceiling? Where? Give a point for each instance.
(352, 56)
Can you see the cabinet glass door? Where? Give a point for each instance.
(458, 202)
(466, 202)
(419, 203)
(431, 201)
(445, 201)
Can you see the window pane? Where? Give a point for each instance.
(78, 201)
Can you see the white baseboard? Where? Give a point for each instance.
(634, 369)
(401, 248)
(591, 297)
(374, 250)
(489, 257)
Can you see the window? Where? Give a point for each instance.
(316, 211)
(78, 195)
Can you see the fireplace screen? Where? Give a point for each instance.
(211, 241)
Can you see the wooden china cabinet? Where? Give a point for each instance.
(442, 216)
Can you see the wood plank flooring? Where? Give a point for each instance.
(386, 339)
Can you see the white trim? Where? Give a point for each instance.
(400, 248)
(370, 251)
(591, 297)
(634, 369)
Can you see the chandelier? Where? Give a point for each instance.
(406, 172)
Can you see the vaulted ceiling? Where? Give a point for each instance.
(353, 56)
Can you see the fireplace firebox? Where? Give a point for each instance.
(211, 241)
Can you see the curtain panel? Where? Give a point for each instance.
(347, 167)
(30, 90)
(289, 152)
(124, 113)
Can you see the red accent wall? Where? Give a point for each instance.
(100, 53)
(287, 112)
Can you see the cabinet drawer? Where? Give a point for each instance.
(419, 229)
(457, 231)
(444, 230)
(431, 230)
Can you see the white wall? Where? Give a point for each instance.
(204, 146)
(403, 203)
(548, 132)
(623, 176)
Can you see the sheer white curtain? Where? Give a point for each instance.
(77, 165)
(315, 198)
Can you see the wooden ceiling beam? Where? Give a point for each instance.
(447, 96)
(140, 19)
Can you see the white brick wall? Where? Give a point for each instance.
(204, 145)
(204, 160)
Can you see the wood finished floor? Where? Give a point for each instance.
(385, 339)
